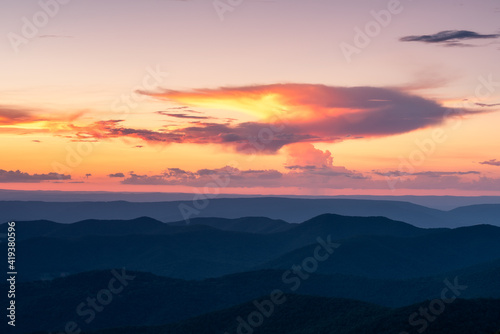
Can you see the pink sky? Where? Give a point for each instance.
(277, 97)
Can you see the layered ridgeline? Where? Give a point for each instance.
(120, 298)
(212, 270)
(294, 210)
(373, 247)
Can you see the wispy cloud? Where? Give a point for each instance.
(181, 115)
(18, 115)
(435, 174)
(492, 162)
(450, 37)
(488, 104)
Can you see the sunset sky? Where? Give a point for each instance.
(313, 97)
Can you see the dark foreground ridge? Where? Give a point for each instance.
(160, 300)
(296, 314)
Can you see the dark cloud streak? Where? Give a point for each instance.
(116, 175)
(449, 37)
(492, 162)
(21, 177)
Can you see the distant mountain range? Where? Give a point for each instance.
(292, 210)
(435, 202)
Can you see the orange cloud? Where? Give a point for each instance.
(285, 114)
(24, 120)
(291, 102)
(292, 113)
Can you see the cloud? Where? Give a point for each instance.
(439, 174)
(492, 162)
(184, 114)
(283, 114)
(234, 177)
(204, 177)
(313, 169)
(449, 37)
(116, 175)
(488, 104)
(21, 177)
(294, 113)
(25, 120)
(112, 129)
(177, 176)
(314, 179)
(305, 158)
(299, 167)
(14, 115)
(305, 154)
(426, 173)
(243, 137)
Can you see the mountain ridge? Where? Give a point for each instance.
(292, 210)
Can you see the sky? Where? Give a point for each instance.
(310, 97)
